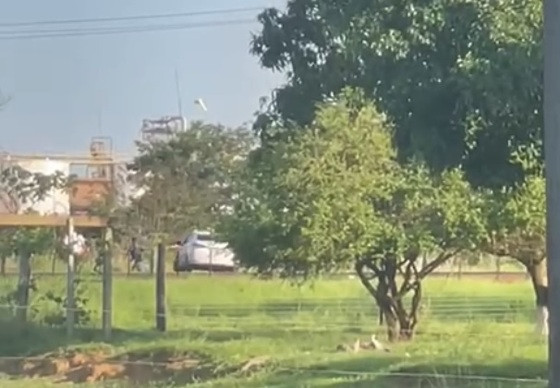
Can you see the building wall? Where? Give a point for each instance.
(57, 201)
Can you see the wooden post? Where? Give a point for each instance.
(54, 254)
(211, 259)
(71, 273)
(160, 289)
(53, 264)
(153, 259)
(24, 285)
(3, 265)
(107, 285)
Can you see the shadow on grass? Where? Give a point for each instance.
(29, 339)
(18, 339)
(385, 372)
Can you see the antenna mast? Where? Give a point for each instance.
(178, 88)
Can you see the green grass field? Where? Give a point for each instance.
(470, 328)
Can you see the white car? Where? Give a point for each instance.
(199, 251)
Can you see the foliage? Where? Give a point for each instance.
(19, 188)
(517, 220)
(51, 307)
(336, 198)
(185, 180)
(460, 79)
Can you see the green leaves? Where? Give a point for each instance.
(186, 180)
(517, 222)
(19, 188)
(336, 194)
(461, 80)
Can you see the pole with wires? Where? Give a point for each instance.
(552, 167)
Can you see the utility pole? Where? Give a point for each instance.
(178, 90)
(552, 168)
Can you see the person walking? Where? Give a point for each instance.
(135, 255)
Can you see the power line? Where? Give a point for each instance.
(132, 18)
(26, 35)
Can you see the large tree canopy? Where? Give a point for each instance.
(335, 197)
(460, 79)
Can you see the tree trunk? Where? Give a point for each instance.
(400, 325)
(53, 263)
(537, 272)
(406, 330)
(3, 265)
(391, 322)
(24, 284)
(399, 321)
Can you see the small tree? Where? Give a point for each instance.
(18, 188)
(335, 197)
(516, 219)
(185, 179)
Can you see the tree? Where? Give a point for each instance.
(185, 180)
(335, 198)
(460, 79)
(517, 224)
(19, 188)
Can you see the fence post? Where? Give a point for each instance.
(107, 285)
(70, 274)
(3, 265)
(153, 259)
(128, 264)
(24, 285)
(211, 260)
(53, 263)
(160, 289)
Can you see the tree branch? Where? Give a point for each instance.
(442, 258)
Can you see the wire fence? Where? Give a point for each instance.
(449, 321)
(328, 315)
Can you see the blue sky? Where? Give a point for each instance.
(62, 88)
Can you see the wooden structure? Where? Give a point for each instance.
(98, 181)
(94, 177)
(86, 192)
(80, 221)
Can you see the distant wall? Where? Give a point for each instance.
(57, 201)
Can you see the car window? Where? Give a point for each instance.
(204, 237)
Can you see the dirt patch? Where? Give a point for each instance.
(137, 368)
